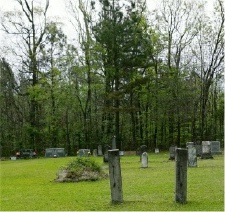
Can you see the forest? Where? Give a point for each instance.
(152, 77)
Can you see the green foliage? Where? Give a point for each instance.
(143, 82)
(81, 164)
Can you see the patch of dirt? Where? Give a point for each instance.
(69, 176)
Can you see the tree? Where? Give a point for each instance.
(211, 60)
(176, 22)
(10, 135)
(24, 24)
(125, 40)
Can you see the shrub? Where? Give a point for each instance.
(80, 169)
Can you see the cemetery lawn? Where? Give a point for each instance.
(28, 185)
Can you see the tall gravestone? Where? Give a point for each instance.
(99, 150)
(215, 148)
(106, 154)
(206, 150)
(95, 152)
(192, 156)
(181, 175)
(198, 149)
(115, 176)
(172, 150)
(144, 160)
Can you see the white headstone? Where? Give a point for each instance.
(156, 150)
(144, 160)
(192, 156)
(206, 150)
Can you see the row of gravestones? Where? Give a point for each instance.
(204, 151)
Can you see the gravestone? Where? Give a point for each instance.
(156, 150)
(115, 176)
(215, 148)
(192, 156)
(198, 149)
(83, 152)
(95, 152)
(106, 155)
(121, 153)
(99, 150)
(172, 150)
(144, 160)
(206, 150)
(114, 142)
(189, 144)
(181, 175)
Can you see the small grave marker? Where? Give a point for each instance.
(156, 150)
(192, 156)
(99, 150)
(83, 152)
(215, 148)
(144, 160)
(198, 149)
(206, 150)
(95, 152)
(172, 150)
(106, 154)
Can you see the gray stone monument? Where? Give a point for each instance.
(99, 150)
(114, 142)
(144, 160)
(172, 150)
(156, 150)
(115, 176)
(192, 156)
(181, 176)
(215, 148)
(106, 154)
(206, 150)
(95, 152)
(198, 149)
(83, 153)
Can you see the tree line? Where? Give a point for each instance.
(152, 77)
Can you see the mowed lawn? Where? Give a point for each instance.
(29, 185)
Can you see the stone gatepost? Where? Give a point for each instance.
(181, 175)
(114, 142)
(115, 176)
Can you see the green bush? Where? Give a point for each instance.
(81, 169)
(83, 164)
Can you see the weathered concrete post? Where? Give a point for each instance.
(114, 142)
(115, 176)
(181, 175)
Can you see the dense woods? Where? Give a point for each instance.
(152, 77)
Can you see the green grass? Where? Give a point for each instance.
(29, 185)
